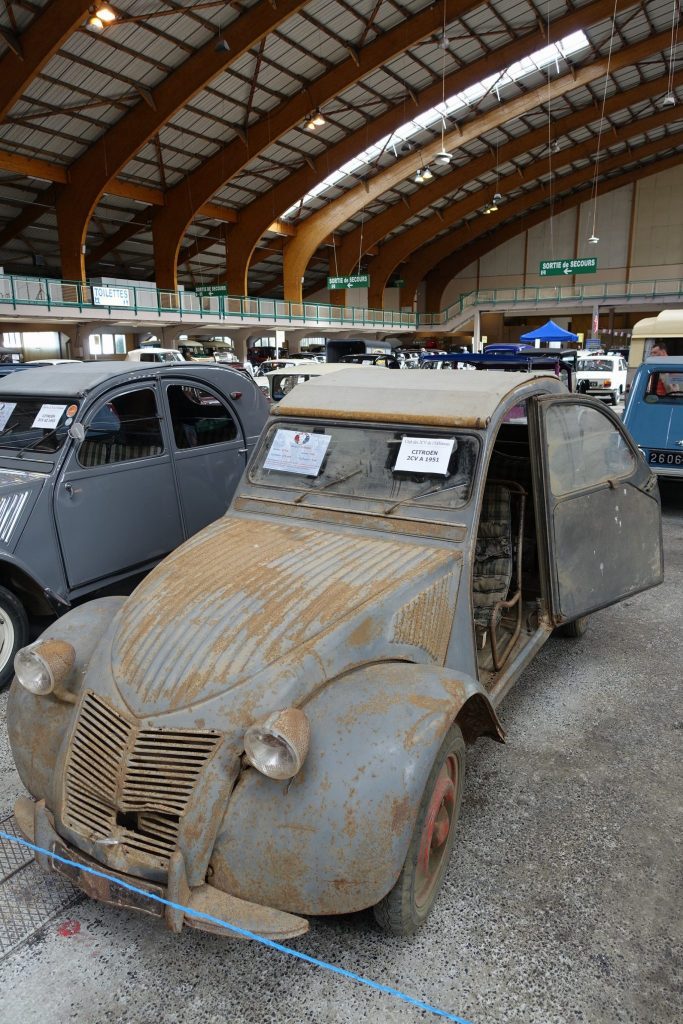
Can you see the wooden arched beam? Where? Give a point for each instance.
(311, 232)
(376, 228)
(402, 246)
(39, 41)
(441, 259)
(255, 218)
(92, 172)
(183, 200)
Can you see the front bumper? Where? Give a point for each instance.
(37, 824)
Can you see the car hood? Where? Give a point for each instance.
(281, 608)
(18, 492)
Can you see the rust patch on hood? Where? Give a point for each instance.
(232, 601)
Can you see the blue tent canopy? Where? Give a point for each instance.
(549, 332)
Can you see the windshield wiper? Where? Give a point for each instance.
(36, 442)
(330, 483)
(421, 494)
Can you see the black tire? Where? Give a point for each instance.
(614, 398)
(13, 633)
(575, 628)
(407, 906)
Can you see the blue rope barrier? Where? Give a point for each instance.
(243, 932)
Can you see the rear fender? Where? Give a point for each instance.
(333, 839)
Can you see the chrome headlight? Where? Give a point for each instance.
(277, 746)
(44, 665)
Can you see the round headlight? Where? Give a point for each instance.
(277, 746)
(44, 665)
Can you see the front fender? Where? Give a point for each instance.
(37, 725)
(334, 839)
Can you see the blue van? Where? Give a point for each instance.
(654, 414)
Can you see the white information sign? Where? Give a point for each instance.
(49, 416)
(106, 295)
(296, 451)
(425, 454)
(6, 410)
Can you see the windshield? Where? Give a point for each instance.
(412, 467)
(36, 422)
(601, 365)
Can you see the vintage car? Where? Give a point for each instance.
(281, 382)
(152, 354)
(275, 723)
(603, 376)
(654, 414)
(161, 452)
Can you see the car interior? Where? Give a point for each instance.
(506, 577)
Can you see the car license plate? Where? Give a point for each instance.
(659, 458)
(106, 890)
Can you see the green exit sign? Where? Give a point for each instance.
(349, 281)
(554, 268)
(211, 289)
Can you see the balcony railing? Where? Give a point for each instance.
(50, 293)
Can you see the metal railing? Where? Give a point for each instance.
(51, 293)
(55, 294)
(605, 292)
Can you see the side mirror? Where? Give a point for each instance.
(77, 432)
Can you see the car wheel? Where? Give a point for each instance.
(13, 633)
(408, 904)
(614, 397)
(575, 628)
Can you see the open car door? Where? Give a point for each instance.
(598, 505)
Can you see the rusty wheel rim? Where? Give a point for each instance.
(436, 831)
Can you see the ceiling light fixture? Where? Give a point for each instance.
(593, 240)
(316, 120)
(222, 46)
(668, 101)
(497, 197)
(443, 157)
(419, 178)
(105, 13)
(427, 174)
(95, 22)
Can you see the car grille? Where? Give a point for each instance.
(131, 784)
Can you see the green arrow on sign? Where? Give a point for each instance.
(555, 268)
(349, 281)
(211, 289)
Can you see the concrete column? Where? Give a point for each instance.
(168, 336)
(476, 335)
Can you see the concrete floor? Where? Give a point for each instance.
(562, 903)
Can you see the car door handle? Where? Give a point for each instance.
(69, 490)
(242, 451)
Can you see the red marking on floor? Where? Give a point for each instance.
(69, 928)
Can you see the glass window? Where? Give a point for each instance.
(584, 448)
(665, 386)
(124, 428)
(358, 462)
(199, 418)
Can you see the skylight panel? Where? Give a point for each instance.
(541, 60)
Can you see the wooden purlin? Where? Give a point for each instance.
(330, 217)
(91, 174)
(376, 228)
(171, 224)
(255, 217)
(425, 260)
(38, 43)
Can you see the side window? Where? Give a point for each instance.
(199, 418)
(584, 448)
(122, 429)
